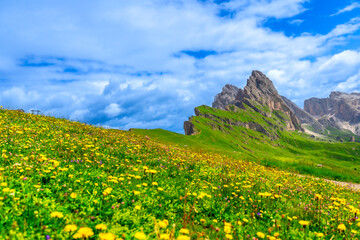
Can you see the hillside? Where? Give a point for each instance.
(63, 180)
(228, 132)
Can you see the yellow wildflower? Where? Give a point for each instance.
(57, 215)
(318, 197)
(164, 236)
(229, 236)
(101, 226)
(319, 235)
(70, 228)
(163, 224)
(342, 227)
(304, 223)
(184, 231)
(227, 229)
(140, 235)
(107, 236)
(84, 232)
(183, 237)
(260, 235)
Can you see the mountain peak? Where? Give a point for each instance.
(258, 92)
(259, 88)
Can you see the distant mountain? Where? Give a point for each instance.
(336, 117)
(259, 91)
(340, 110)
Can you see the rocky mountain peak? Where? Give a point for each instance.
(342, 108)
(260, 86)
(259, 91)
(226, 97)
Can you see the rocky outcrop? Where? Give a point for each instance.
(258, 94)
(226, 97)
(189, 128)
(260, 89)
(304, 117)
(340, 110)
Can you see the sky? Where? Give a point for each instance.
(149, 63)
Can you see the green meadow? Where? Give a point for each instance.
(62, 179)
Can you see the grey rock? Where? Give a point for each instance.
(340, 110)
(303, 116)
(260, 89)
(189, 128)
(226, 97)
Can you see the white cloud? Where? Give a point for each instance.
(351, 84)
(296, 21)
(277, 76)
(112, 110)
(79, 115)
(343, 59)
(343, 29)
(348, 8)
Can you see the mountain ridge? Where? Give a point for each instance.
(339, 112)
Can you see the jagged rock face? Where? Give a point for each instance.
(189, 128)
(340, 110)
(260, 89)
(304, 117)
(226, 97)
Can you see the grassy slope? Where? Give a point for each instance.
(293, 151)
(58, 175)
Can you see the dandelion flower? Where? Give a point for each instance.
(318, 197)
(183, 237)
(163, 224)
(184, 231)
(70, 228)
(304, 223)
(260, 235)
(73, 195)
(107, 236)
(84, 232)
(229, 236)
(57, 215)
(342, 227)
(101, 226)
(137, 207)
(227, 229)
(140, 235)
(164, 236)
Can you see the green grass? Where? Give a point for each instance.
(293, 151)
(61, 179)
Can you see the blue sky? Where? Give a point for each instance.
(148, 63)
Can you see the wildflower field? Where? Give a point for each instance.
(66, 180)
